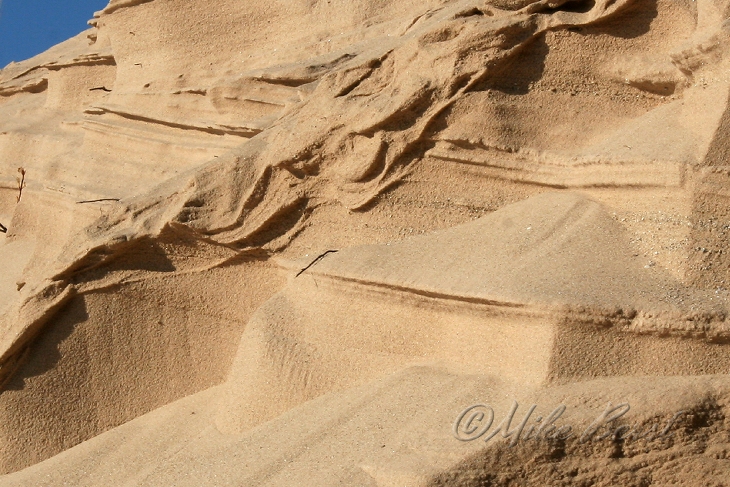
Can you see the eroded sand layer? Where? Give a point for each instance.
(287, 244)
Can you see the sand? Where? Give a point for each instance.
(288, 243)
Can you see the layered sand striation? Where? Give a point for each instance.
(347, 220)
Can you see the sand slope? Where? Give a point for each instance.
(399, 432)
(313, 208)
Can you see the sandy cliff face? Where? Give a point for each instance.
(287, 244)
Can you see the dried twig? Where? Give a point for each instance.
(3, 228)
(321, 256)
(21, 182)
(97, 201)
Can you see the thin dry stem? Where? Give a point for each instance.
(21, 182)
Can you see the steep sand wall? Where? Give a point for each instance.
(522, 196)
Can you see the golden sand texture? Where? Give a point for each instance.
(286, 243)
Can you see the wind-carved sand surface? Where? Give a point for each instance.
(288, 243)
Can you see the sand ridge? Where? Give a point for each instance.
(532, 193)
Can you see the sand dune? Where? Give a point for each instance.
(286, 244)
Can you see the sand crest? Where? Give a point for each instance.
(287, 244)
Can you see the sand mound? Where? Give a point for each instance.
(264, 211)
(398, 431)
(555, 268)
(554, 248)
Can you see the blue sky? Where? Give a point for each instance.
(29, 27)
